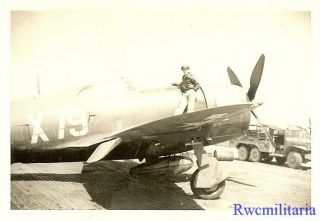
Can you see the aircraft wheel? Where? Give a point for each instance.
(206, 193)
(243, 153)
(255, 155)
(294, 160)
(280, 160)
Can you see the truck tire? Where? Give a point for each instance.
(255, 155)
(294, 160)
(243, 153)
(280, 160)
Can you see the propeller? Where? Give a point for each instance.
(254, 80)
(233, 77)
(254, 84)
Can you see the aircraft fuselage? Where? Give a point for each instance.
(67, 128)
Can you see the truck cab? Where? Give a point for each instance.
(292, 145)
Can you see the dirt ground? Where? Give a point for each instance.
(107, 185)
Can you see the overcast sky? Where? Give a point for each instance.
(70, 48)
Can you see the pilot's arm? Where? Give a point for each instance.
(196, 86)
(195, 83)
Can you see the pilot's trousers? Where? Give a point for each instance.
(188, 100)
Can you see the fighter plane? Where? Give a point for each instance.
(121, 122)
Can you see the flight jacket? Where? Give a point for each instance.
(188, 82)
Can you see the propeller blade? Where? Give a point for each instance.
(233, 77)
(255, 78)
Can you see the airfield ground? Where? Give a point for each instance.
(107, 185)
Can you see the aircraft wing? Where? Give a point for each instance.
(169, 125)
(187, 121)
(184, 122)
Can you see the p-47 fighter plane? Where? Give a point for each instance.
(114, 124)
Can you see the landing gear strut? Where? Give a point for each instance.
(208, 181)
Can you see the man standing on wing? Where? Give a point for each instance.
(188, 88)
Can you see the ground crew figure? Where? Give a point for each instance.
(188, 88)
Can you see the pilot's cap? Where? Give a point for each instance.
(185, 67)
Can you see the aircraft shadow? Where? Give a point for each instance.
(109, 185)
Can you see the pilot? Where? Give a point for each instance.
(188, 88)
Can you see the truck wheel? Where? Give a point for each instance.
(294, 160)
(255, 155)
(206, 193)
(280, 160)
(243, 153)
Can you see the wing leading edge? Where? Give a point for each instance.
(172, 124)
(187, 121)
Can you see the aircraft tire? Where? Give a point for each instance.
(294, 160)
(243, 153)
(204, 193)
(255, 155)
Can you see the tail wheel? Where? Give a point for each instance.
(280, 160)
(255, 155)
(206, 193)
(294, 160)
(243, 153)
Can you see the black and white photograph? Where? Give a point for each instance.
(168, 109)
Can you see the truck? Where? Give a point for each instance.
(264, 143)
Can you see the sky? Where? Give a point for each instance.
(71, 48)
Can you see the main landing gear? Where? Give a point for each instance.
(208, 181)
